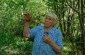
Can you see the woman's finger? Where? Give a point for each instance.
(45, 38)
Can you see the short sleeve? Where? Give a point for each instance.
(59, 39)
(33, 32)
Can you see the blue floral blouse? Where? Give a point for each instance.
(42, 48)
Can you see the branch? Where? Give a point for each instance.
(73, 8)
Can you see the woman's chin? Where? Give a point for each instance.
(46, 25)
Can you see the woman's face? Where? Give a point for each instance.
(49, 21)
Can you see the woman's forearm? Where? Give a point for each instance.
(55, 47)
(26, 28)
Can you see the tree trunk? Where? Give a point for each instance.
(81, 19)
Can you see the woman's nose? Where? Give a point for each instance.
(46, 20)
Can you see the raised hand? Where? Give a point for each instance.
(27, 16)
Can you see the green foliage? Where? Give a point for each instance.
(12, 23)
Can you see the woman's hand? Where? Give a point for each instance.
(55, 47)
(27, 17)
(47, 39)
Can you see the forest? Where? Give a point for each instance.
(71, 22)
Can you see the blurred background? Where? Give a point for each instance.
(71, 22)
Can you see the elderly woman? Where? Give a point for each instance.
(47, 39)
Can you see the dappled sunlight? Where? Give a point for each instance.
(70, 19)
(66, 48)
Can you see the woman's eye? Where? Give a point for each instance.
(50, 19)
